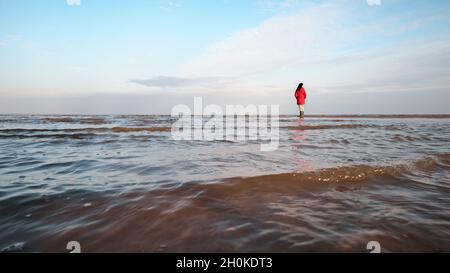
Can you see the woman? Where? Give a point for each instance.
(300, 95)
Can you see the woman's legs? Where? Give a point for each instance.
(301, 108)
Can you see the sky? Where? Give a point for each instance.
(145, 57)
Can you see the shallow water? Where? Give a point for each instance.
(122, 184)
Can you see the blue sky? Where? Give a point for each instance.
(144, 57)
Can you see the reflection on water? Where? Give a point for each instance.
(120, 183)
(300, 139)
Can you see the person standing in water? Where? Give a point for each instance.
(300, 95)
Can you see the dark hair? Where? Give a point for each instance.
(300, 86)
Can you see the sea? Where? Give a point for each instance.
(122, 183)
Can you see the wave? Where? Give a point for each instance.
(278, 212)
(341, 179)
(341, 126)
(330, 126)
(58, 136)
(430, 116)
(90, 120)
(406, 138)
(89, 130)
(337, 176)
(140, 129)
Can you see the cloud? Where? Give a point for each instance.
(279, 41)
(374, 2)
(73, 2)
(328, 47)
(276, 5)
(174, 4)
(170, 6)
(167, 81)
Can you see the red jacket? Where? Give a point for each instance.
(300, 95)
